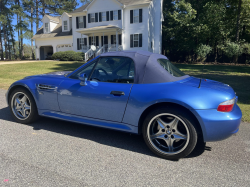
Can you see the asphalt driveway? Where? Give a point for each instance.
(57, 153)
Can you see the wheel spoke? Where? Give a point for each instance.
(173, 124)
(24, 99)
(169, 141)
(17, 101)
(179, 136)
(161, 123)
(26, 107)
(158, 135)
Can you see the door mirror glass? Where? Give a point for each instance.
(83, 78)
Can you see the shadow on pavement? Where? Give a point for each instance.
(130, 142)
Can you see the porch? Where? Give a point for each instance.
(100, 40)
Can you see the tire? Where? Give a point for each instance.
(170, 133)
(23, 106)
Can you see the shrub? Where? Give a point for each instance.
(68, 56)
(202, 51)
(26, 56)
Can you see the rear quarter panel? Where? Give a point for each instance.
(193, 98)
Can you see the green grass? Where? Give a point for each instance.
(236, 76)
(10, 73)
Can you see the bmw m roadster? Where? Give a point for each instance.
(136, 92)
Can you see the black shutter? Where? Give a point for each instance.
(96, 17)
(85, 41)
(131, 16)
(131, 41)
(112, 39)
(84, 22)
(120, 39)
(77, 23)
(89, 18)
(100, 17)
(78, 43)
(90, 41)
(97, 40)
(140, 15)
(119, 14)
(107, 15)
(140, 40)
(102, 40)
(111, 15)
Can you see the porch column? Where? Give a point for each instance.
(116, 40)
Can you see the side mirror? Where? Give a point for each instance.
(83, 78)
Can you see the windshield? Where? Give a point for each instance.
(167, 65)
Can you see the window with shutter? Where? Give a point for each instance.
(92, 18)
(135, 40)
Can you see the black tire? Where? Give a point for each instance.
(32, 113)
(158, 147)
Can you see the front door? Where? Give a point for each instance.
(106, 92)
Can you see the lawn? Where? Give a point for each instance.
(236, 76)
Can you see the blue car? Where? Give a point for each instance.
(136, 92)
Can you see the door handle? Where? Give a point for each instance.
(117, 93)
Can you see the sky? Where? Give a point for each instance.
(25, 41)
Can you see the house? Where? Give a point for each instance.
(108, 25)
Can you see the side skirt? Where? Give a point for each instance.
(89, 121)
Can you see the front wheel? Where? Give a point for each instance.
(169, 133)
(23, 107)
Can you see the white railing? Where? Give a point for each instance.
(89, 54)
(104, 49)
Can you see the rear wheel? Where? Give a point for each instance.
(22, 105)
(169, 133)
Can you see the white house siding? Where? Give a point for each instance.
(96, 7)
(52, 25)
(65, 17)
(54, 42)
(136, 28)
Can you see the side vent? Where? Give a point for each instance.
(45, 87)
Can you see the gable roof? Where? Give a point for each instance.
(54, 18)
(124, 2)
(55, 33)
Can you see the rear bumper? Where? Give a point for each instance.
(218, 126)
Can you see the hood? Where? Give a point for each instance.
(57, 74)
(211, 84)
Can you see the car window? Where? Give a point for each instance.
(86, 69)
(114, 69)
(167, 65)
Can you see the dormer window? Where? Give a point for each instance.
(65, 25)
(46, 25)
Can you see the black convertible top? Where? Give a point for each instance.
(147, 69)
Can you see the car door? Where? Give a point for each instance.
(106, 92)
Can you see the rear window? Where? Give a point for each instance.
(167, 65)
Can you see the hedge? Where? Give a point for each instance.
(68, 56)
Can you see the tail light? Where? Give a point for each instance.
(226, 106)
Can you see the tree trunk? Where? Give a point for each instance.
(1, 44)
(238, 22)
(37, 16)
(5, 41)
(31, 25)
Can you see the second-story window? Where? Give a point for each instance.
(115, 14)
(46, 27)
(92, 17)
(136, 16)
(80, 22)
(65, 25)
(104, 16)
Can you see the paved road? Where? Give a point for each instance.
(56, 153)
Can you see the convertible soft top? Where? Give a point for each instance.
(147, 69)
